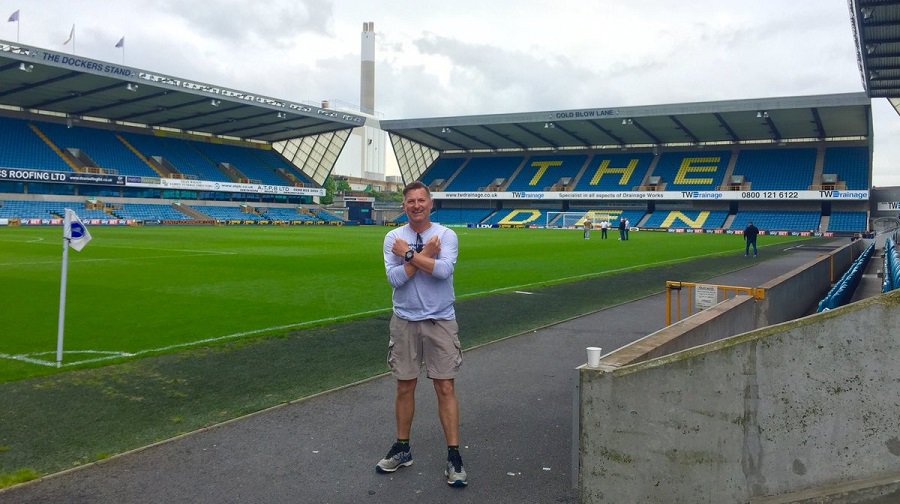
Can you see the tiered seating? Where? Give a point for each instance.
(273, 160)
(855, 222)
(516, 216)
(285, 214)
(228, 213)
(692, 171)
(482, 171)
(145, 212)
(777, 220)
(327, 216)
(891, 266)
(187, 159)
(842, 291)
(460, 215)
(687, 219)
(242, 158)
(20, 147)
(614, 172)
(15, 209)
(851, 164)
(442, 169)
(540, 173)
(102, 146)
(773, 169)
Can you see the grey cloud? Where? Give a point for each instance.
(275, 22)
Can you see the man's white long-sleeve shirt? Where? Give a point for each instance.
(423, 296)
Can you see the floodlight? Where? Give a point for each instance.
(549, 125)
(215, 103)
(762, 114)
(131, 87)
(282, 115)
(627, 121)
(25, 67)
(445, 130)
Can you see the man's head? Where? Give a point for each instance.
(417, 204)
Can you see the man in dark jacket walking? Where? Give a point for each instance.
(750, 233)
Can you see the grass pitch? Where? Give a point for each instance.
(97, 409)
(137, 292)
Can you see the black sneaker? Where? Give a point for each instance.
(398, 456)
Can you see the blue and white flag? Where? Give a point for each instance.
(71, 35)
(75, 231)
(121, 42)
(14, 17)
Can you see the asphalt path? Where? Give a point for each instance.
(516, 411)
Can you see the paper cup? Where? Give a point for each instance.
(593, 356)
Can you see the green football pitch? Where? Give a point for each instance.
(134, 292)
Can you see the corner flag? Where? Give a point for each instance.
(74, 231)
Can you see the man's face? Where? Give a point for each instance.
(417, 206)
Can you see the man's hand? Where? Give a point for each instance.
(400, 247)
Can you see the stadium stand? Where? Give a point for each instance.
(547, 173)
(16, 209)
(686, 219)
(284, 214)
(150, 212)
(614, 172)
(842, 291)
(485, 174)
(244, 160)
(891, 265)
(459, 216)
(767, 169)
(228, 213)
(692, 171)
(21, 147)
(441, 172)
(179, 154)
(777, 220)
(854, 222)
(98, 148)
(850, 164)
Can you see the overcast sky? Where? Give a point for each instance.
(462, 57)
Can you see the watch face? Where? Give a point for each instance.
(409, 255)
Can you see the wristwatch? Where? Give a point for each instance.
(409, 255)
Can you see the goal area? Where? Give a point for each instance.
(566, 220)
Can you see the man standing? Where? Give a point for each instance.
(419, 259)
(622, 228)
(750, 233)
(603, 227)
(627, 227)
(587, 228)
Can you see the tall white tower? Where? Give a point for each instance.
(367, 70)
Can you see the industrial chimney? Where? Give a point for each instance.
(367, 70)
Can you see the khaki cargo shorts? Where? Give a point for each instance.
(431, 343)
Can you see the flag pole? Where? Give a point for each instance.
(62, 303)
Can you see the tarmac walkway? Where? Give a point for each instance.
(516, 408)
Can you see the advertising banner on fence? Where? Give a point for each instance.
(660, 195)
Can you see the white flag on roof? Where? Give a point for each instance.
(75, 231)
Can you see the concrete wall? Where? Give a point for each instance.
(804, 404)
(787, 297)
(797, 292)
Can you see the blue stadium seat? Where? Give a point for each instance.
(614, 172)
(773, 169)
(692, 171)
